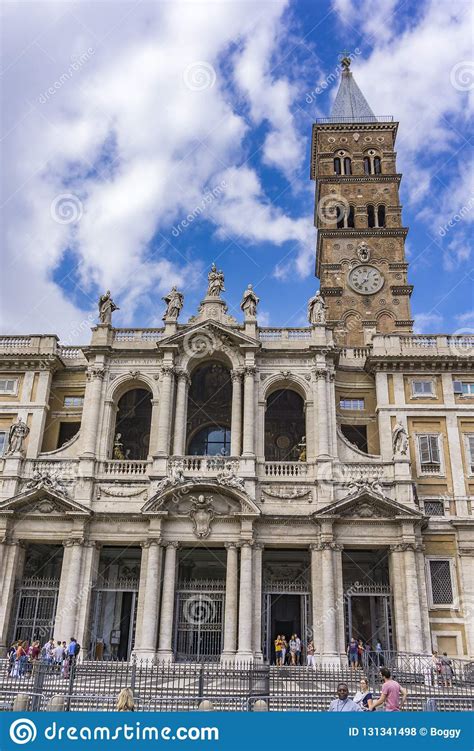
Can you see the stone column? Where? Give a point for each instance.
(165, 650)
(397, 577)
(149, 600)
(13, 557)
(69, 589)
(90, 569)
(91, 410)
(236, 419)
(180, 414)
(231, 605)
(330, 654)
(423, 598)
(322, 412)
(466, 559)
(257, 601)
(317, 615)
(331, 412)
(249, 411)
(413, 612)
(245, 603)
(164, 418)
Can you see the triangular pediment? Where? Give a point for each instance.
(217, 333)
(183, 499)
(43, 502)
(366, 503)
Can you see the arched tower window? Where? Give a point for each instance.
(337, 166)
(132, 425)
(284, 426)
(350, 217)
(209, 411)
(347, 166)
(377, 165)
(367, 165)
(370, 216)
(381, 216)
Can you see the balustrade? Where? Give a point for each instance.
(126, 468)
(286, 469)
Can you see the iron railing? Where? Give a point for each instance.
(229, 687)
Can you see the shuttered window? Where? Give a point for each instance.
(428, 446)
(470, 450)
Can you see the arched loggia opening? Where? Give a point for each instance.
(285, 426)
(132, 425)
(209, 411)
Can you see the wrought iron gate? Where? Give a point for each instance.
(114, 643)
(380, 612)
(35, 609)
(199, 620)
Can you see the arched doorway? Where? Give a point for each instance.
(132, 425)
(284, 426)
(209, 411)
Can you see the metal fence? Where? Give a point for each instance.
(183, 686)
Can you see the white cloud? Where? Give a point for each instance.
(427, 322)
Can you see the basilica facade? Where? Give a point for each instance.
(191, 491)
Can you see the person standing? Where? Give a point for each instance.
(343, 703)
(446, 670)
(48, 651)
(284, 649)
(393, 695)
(353, 654)
(298, 649)
(310, 656)
(278, 646)
(293, 649)
(71, 650)
(58, 654)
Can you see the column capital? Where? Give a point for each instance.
(258, 546)
(236, 374)
(93, 544)
(245, 544)
(152, 541)
(7, 540)
(231, 545)
(326, 545)
(402, 547)
(167, 370)
(250, 370)
(170, 544)
(71, 542)
(320, 373)
(95, 372)
(182, 375)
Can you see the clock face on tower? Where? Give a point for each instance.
(365, 279)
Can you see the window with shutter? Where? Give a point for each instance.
(3, 442)
(470, 451)
(441, 583)
(434, 449)
(428, 447)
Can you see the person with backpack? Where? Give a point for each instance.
(73, 650)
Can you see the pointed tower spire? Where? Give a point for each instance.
(350, 105)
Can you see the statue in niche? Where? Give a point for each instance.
(215, 280)
(17, 434)
(399, 440)
(249, 302)
(174, 301)
(106, 308)
(317, 309)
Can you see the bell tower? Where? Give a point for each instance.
(360, 253)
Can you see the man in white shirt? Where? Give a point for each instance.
(59, 654)
(343, 703)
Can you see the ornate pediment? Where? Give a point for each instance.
(42, 501)
(367, 503)
(183, 499)
(204, 337)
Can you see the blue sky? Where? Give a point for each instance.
(123, 119)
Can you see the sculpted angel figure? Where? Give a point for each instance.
(174, 301)
(215, 282)
(106, 308)
(249, 302)
(399, 439)
(317, 309)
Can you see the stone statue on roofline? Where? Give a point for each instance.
(249, 302)
(174, 302)
(215, 280)
(106, 308)
(317, 309)
(16, 435)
